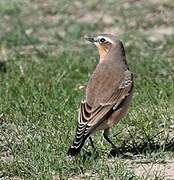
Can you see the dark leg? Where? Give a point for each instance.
(105, 134)
(114, 151)
(92, 144)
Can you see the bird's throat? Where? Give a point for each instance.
(103, 51)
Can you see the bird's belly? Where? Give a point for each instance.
(116, 115)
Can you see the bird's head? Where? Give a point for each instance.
(104, 43)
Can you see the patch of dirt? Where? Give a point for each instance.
(159, 33)
(159, 1)
(165, 170)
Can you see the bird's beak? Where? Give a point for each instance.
(90, 39)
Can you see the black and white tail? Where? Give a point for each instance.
(79, 140)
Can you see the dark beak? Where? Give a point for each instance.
(90, 39)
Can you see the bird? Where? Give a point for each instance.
(108, 92)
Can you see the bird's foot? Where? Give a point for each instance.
(114, 152)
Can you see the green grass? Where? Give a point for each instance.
(46, 61)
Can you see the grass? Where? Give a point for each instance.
(44, 61)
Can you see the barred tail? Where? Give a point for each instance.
(79, 140)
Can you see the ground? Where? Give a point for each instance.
(44, 63)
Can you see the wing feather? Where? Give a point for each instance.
(93, 116)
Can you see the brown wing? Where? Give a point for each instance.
(91, 117)
(103, 83)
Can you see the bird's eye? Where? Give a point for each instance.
(102, 40)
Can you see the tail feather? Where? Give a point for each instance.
(74, 151)
(79, 140)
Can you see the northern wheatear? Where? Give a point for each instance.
(108, 92)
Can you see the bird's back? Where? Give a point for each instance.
(103, 83)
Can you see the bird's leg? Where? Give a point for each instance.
(92, 144)
(105, 135)
(114, 151)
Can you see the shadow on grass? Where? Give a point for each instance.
(141, 148)
(3, 67)
(137, 148)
